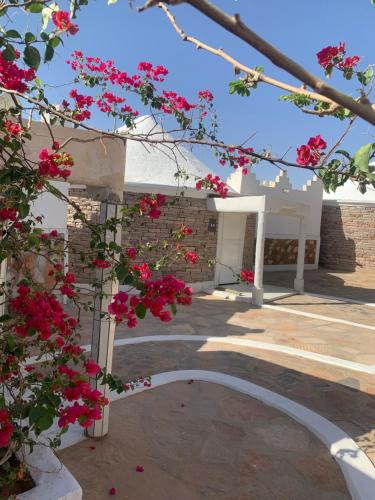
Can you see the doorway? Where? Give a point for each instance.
(230, 246)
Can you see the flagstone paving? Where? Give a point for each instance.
(345, 397)
(339, 309)
(214, 316)
(221, 444)
(200, 441)
(358, 285)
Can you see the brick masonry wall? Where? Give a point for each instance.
(347, 237)
(189, 211)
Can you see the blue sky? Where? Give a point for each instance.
(300, 28)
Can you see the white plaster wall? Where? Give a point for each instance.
(53, 210)
(281, 226)
(349, 193)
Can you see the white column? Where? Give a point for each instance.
(104, 329)
(259, 259)
(299, 282)
(3, 277)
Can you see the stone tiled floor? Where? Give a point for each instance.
(214, 316)
(218, 445)
(178, 468)
(359, 285)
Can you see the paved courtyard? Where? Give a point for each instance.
(319, 352)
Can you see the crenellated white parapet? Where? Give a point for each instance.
(280, 226)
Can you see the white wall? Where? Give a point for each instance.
(53, 210)
(280, 226)
(348, 193)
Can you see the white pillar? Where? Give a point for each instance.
(104, 329)
(259, 259)
(299, 282)
(3, 277)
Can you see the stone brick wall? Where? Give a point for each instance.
(249, 242)
(283, 251)
(189, 211)
(347, 237)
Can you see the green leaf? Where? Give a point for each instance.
(43, 423)
(35, 7)
(54, 42)
(140, 311)
(30, 37)
(12, 34)
(23, 210)
(36, 413)
(31, 57)
(362, 158)
(49, 53)
(121, 272)
(9, 54)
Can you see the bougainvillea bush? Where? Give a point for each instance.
(34, 324)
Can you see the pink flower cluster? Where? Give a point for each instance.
(214, 183)
(237, 158)
(13, 129)
(41, 314)
(61, 19)
(191, 257)
(334, 56)
(247, 276)
(55, 164)
(6, 428)
(309, 154)
(8, 214)
(156, 73)
(205, 95)
(12, 77)
(158, 295)
(74, 388)
(149, 205)
(175, 102)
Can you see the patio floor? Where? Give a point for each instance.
(315, 351)
(218, 445)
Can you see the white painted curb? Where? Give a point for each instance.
(330, 319)
(356, 467)
(255, 344)
(52, 479)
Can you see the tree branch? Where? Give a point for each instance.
(234, 25)
(246, 69)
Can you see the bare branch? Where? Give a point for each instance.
(237, 65)
(234, 25)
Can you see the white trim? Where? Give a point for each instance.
(318, 316)
(358, 203)
(274, 236)
(52, 479)
(253, 344)
(341, 299)
(356, 467)
(288, 267)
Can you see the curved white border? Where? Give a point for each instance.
(255, 344)
(358, 470)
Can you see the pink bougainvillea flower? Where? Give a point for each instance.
(247, 276)
(309, 154)
(61, 19)
(112, 491)
(92, 368)
(139, 468)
